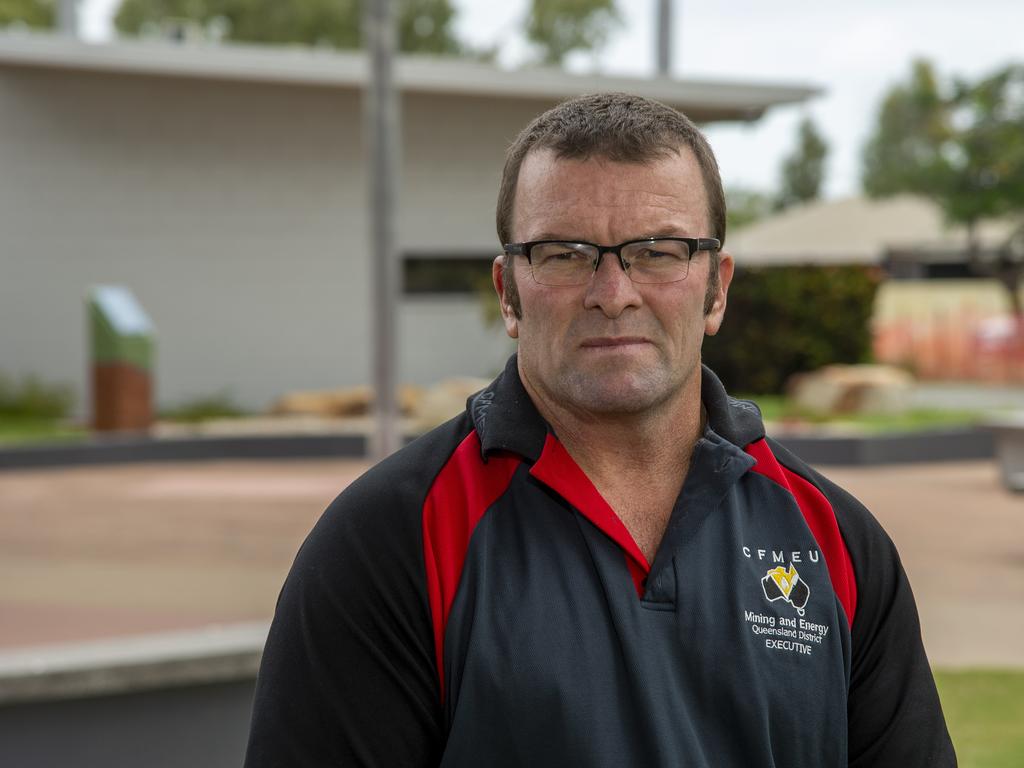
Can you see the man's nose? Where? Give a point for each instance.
(610, 288)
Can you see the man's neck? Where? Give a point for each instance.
(658, 442)
(637, 462)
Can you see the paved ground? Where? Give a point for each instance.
(97, 552)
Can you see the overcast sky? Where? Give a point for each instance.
(852, 50)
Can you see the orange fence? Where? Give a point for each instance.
(964, 345)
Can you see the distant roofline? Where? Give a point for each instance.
(702, 100)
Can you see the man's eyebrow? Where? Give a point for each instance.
(666, 232)
(559, 237)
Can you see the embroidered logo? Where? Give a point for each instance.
(782, 584)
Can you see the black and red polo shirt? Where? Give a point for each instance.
(474, 601)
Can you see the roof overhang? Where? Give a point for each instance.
(859, 230)
(702, 100)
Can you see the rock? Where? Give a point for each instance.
(351, 401)
(409, 398)
(837, 389)
(446, 399)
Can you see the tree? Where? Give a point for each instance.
(988, 170)
(32, 13)
(424, 26)
(744, 207)
(559, 27)
(905, 153)
(804, 170)
(961, 145)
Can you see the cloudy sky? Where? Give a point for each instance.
(852, 50)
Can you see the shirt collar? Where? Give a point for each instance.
(505, 417)
(738, 421)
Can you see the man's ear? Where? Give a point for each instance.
(713, 319)
(508, 314)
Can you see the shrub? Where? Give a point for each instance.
(33, 398)
(218, 406)
(786, 320)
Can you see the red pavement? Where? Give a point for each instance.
(97, 552)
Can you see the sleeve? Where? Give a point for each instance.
(895, 718)
(348, 675)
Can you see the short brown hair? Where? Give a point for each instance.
(622, 128)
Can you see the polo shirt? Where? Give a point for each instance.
(473, 601)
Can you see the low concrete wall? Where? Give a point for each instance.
(961, 444)
(161, 701)
(138, 449)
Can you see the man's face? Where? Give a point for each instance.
(611, 346)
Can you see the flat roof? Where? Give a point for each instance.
(702, 100)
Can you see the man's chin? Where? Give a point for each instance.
(613, 394)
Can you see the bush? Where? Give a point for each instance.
(34, 399)
(786, 320)
(218, 406)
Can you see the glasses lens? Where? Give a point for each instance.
(657, 261)
(562, 263)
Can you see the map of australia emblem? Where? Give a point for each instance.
(782, 584)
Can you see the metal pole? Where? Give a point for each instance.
(664, 33)
(67, 17)
(382, 140)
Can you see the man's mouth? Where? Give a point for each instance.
(613, 342)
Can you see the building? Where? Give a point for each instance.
(226, 186)
(938, 313)
(907, 235)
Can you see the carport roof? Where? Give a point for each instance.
(702, 100)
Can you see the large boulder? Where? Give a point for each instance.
(351, 401)
(445, 399)
(839, 389)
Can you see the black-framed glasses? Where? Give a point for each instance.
(651, 260)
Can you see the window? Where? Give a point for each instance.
(453, 275)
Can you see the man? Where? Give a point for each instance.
(603, 561)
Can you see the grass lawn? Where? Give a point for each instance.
(21, 430)
(777, 408)
(985, 714)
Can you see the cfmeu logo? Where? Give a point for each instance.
(782, 584)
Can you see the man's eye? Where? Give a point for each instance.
(565, 256)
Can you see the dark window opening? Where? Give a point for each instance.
(446, 274)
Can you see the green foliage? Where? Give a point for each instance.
(20, 430)
(33, 13)
(218, 406)
(424, 26)
(804, 170)
(786, 320)
(559, 27)
(905, 152)
(987, 159)
(961, 145)
(744, 207)
(779, 408)
(984, 711)
(33, 398)
(957, 143)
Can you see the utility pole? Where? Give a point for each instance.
(382, 143)
(664, 33)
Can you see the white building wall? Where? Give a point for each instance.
(236, 213)
(442, 337)
(216, 203)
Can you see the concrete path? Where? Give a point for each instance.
(87, 553)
